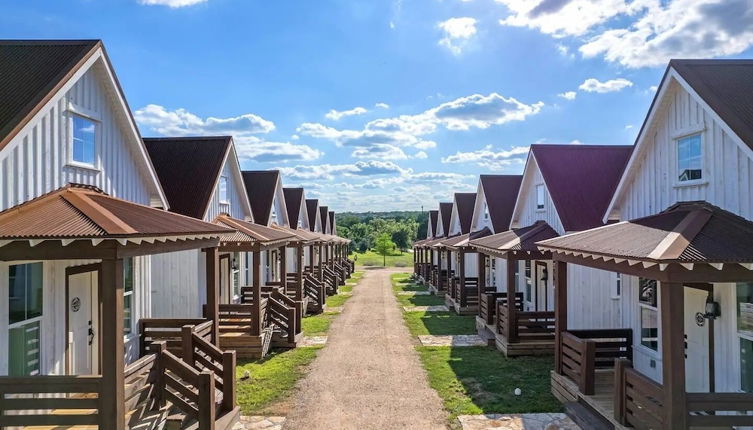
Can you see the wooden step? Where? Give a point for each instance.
(586, 417)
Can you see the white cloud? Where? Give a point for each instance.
(592, 85)
(489, 158)
(252, 148)
(380, 151)
(479, 111)
(336, 115)
(653, 88)
(180, 122)
(330, 171)
(568, 95)
(628, 126)
(457, 33)
(382, 105)
(421, 155)
(171, 3)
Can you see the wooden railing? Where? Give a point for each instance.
(524, 326)
(583, 351)
(720, 410)
(487, 309)
(202, 355)
(68, 401)
(637, 399)
(141, 378)
(169, 330)
(314, 290)
(330, 279)
(293, 311)
(241, 318)
(466, 295)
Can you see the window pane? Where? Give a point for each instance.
(34, 290)
(17, 293)
(745, 308)
(539, 197)
(223, 189)
(649, 328)
(84, 132)
(647, 291)
(689, 158)
(746, 365)
(127, 313)
(128, 274)
(23, 350)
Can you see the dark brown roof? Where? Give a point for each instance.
(517, 239)
(687, 232)
(301, 235)
(462, 240)
(501, 192)
(332, 225)
(323, 211)
(433, 215)
(293, 202)
(80, 211)
(465, 203)
(726, 86)
(30, 71)
(261, 186)
(188, 169)
(251, 232)
(581, 180)
(445, 212)
(312, 208)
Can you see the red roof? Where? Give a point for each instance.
(501, 192)
(433, 215)
(445, 212)
(581, 180)
(465, 204)
(251, 232)
(261, 186)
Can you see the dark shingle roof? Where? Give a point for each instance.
(445, 212)
(30, 71)
(581, 180)
(260, 187)
(323, 214)
(312, 208)
(188, 169)
(332, 225)
(466, 202)
(500, 192)
(293, 202)
(433, 215)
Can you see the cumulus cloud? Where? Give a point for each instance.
(181, 122)
(330, 171)
(568, 95)
(479, 111)
(593, 85)
(382, 105)
(255, 149)
(457, 32)
(338, 114)
(171, 3)
(489, 158)
(380, 151)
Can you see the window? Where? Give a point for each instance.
(617, 286)
(529, 283)
(84, 140)
(25, 311)
(689, 158)
(128, 276)
(223, 190)
(494, 271)
(745, 309)
(486, 211)
(540, 196)
(647, 292)
(649, 328)
(247, 267)
(236, 274)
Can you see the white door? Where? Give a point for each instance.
(83, 324)
(696, 341)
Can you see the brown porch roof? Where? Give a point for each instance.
(300, 235)
(516, 240)
(251, 233)
(463, 240)
(687, 232)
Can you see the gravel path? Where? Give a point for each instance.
(368, 376)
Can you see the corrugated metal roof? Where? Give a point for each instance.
(581, 180)
(692, 232)
(445, 212)
(466, 203)
(501, 192)
(188, 169)
(293, 202)
(261, 186)
(312, 208)
(433, 216)
(252, 232)
(80, 211)
(517, 239)
(463, 239)
(30, 70)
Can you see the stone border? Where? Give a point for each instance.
(258, 422)
(308, 341)
(439, 308)
(413, 293)
(517, 422)
(458, 340)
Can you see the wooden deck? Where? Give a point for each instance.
(602, 401)
(523, 347)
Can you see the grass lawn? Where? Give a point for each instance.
(337, 300)
(480, 380)
(347, 288)
(272, 379)
(317, 325)
(439, 323)
(402, 282)
(371, 258)
(355, 277)
(420, 301)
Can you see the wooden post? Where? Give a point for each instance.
(206, 403)
(158, 348)
(587, 367)
(511, 330)
(620, 365)
(187, 344)
(481, 279)
(559, 278)
(461, 267)
(256, 304)
(311, 258)
(299, 272)
(213, 291)
(319, 262)
(228, 381)
(112, 394)
(672, 309)
(283, 269)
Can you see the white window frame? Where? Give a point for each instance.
(132, 333)
(74, 111)
(540, 192)
(486, 211)
(222, 192)
(19, 324)
(617, 285)
(676, 140)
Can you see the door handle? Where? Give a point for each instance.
(91, 333)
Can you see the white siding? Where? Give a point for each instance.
(525, 210)
(236, 208)
(178, 284)
(479, 220)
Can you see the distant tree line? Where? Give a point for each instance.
(365, 229)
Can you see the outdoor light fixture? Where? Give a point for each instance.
(713, 310)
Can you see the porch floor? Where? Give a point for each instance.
(602, 401)
(523, 347)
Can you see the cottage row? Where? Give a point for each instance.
(133, 271)
(632, 265)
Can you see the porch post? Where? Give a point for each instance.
(112, 392)
(512, 320)
(212, 256)
(299, 274)
(256, 304)
(319, 262)
(283, 268)
(560, 310)
(672, 308)
(481, 278)
(461, 279)
(311, 258)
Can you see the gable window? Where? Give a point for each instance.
(223, 190)
(617, 286)
(25, 315)
(128, 277)
(540, 196)
(486, 211)
(689, 158)
(84, 133)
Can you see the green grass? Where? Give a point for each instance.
(347, 288)
(355, 277)
(371, 258)
(337, 300)
(317, 325)
(439, 323)
(480, 380)
(420, 301)
(402, 282)
(272, 379)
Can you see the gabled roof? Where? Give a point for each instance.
(465, 203)
(249, 232)
(324, 215)
(30, 71)
(312, 209)
(581, 180)
(500, 192)
(332, 225)
(261, 187)
(518, 239)
(445, 213)
(433, 215)
(85, 212)
(188, 168)
(463, 240)
(293, 202)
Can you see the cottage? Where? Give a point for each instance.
(422, 264)
(441, 272)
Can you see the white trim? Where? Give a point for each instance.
(83, 112)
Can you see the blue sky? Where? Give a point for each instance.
(395, 104)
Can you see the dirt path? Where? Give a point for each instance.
(368, 376)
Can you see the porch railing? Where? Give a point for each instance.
(583, 351)
(169, 330)
(286, 314)
(466, 294)
(487, 309)
(519, 326)
(314, 290)
(202, 355)
(638, 399)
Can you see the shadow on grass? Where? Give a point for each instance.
(420, 301)
(439, 323)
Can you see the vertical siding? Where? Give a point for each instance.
(526, 212)
(178, 284)
(235, 187)
(35, 162)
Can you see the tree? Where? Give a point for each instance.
(401, 237)
(383, 246)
